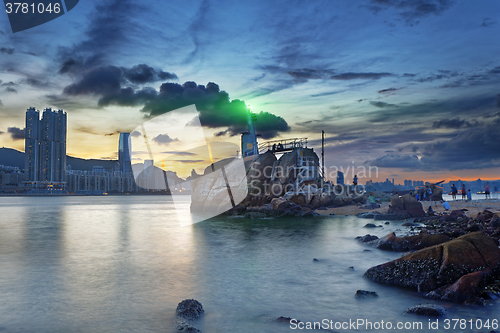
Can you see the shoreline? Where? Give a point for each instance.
(473, 207)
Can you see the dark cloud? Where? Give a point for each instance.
(190, 161)
(388, 91)
(36, 83)
(476, 148)
(411, 11)
(310, 74)
(498, 100)
(7, 50)
(143, 73)
(179, 153)
(360, 76)
(396, 161)
(107, 81)
(10, 89)
(215, 107)
(164, 139)
(135, 134)
(452, 123)
(16, 133)
(221, 133)
(110, 28)
(9, 84)
(488, 22)
(383, 105)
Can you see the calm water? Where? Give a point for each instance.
(121, 264)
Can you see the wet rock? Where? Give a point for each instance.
(438, 268)
(387, 222)
(185, 326)
(351, 268)
(189, 309)
(314, 259)
(366, 215)
(370, 225)
(429, 310)
(366, 238)
(410, 224)
(365, 294)
(467, 288)
(285, 319)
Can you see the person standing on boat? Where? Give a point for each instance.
(454, 192)
(487, 191)
(464, 193)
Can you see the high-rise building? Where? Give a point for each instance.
(124, 159)
(45, 145)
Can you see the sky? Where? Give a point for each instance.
(409, 88)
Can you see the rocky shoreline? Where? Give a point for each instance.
(454, 257)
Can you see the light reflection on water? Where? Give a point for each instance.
(121, 264)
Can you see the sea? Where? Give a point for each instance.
(123, 263)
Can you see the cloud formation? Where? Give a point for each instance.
(7, 50)
(411, 11)
(164, 139)
(16, 133)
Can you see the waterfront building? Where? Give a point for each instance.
(124, 158)
(45, 146)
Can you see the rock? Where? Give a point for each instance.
(495, 221)
(185, 326)
(189, 309)
(366, 215)
(285, 319)
(366, 238)
(370, 225)
(387, 222)
(365, 294)
(467, 288)
(351, 268)
(314, 259)
(397, 202)
(441, 265)
(414, 208)
(391, 242)
(322, 208)
(457, 213)
(255, 215)
(429, 310)
(410, 224)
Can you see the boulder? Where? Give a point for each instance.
(442, 265)
(397, 202)
(365, 294)
(185, 326)
(189, 309)
(467, 288)
(366, 238)
(414, 208)
(428, 310)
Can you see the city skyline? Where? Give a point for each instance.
(413, 91)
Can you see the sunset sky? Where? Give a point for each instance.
(412, 87)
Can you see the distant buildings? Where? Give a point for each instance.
(45, 146)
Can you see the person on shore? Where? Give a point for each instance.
(371, 198)
(464, 192)
(469, 195)
(454, 192)
(446, 205)
(429, 193)
(355, 181)
(487, 191)
(430, 211)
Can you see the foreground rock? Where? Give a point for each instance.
(456, 270)
(187, 311)
(391, 242)
(428, 310)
